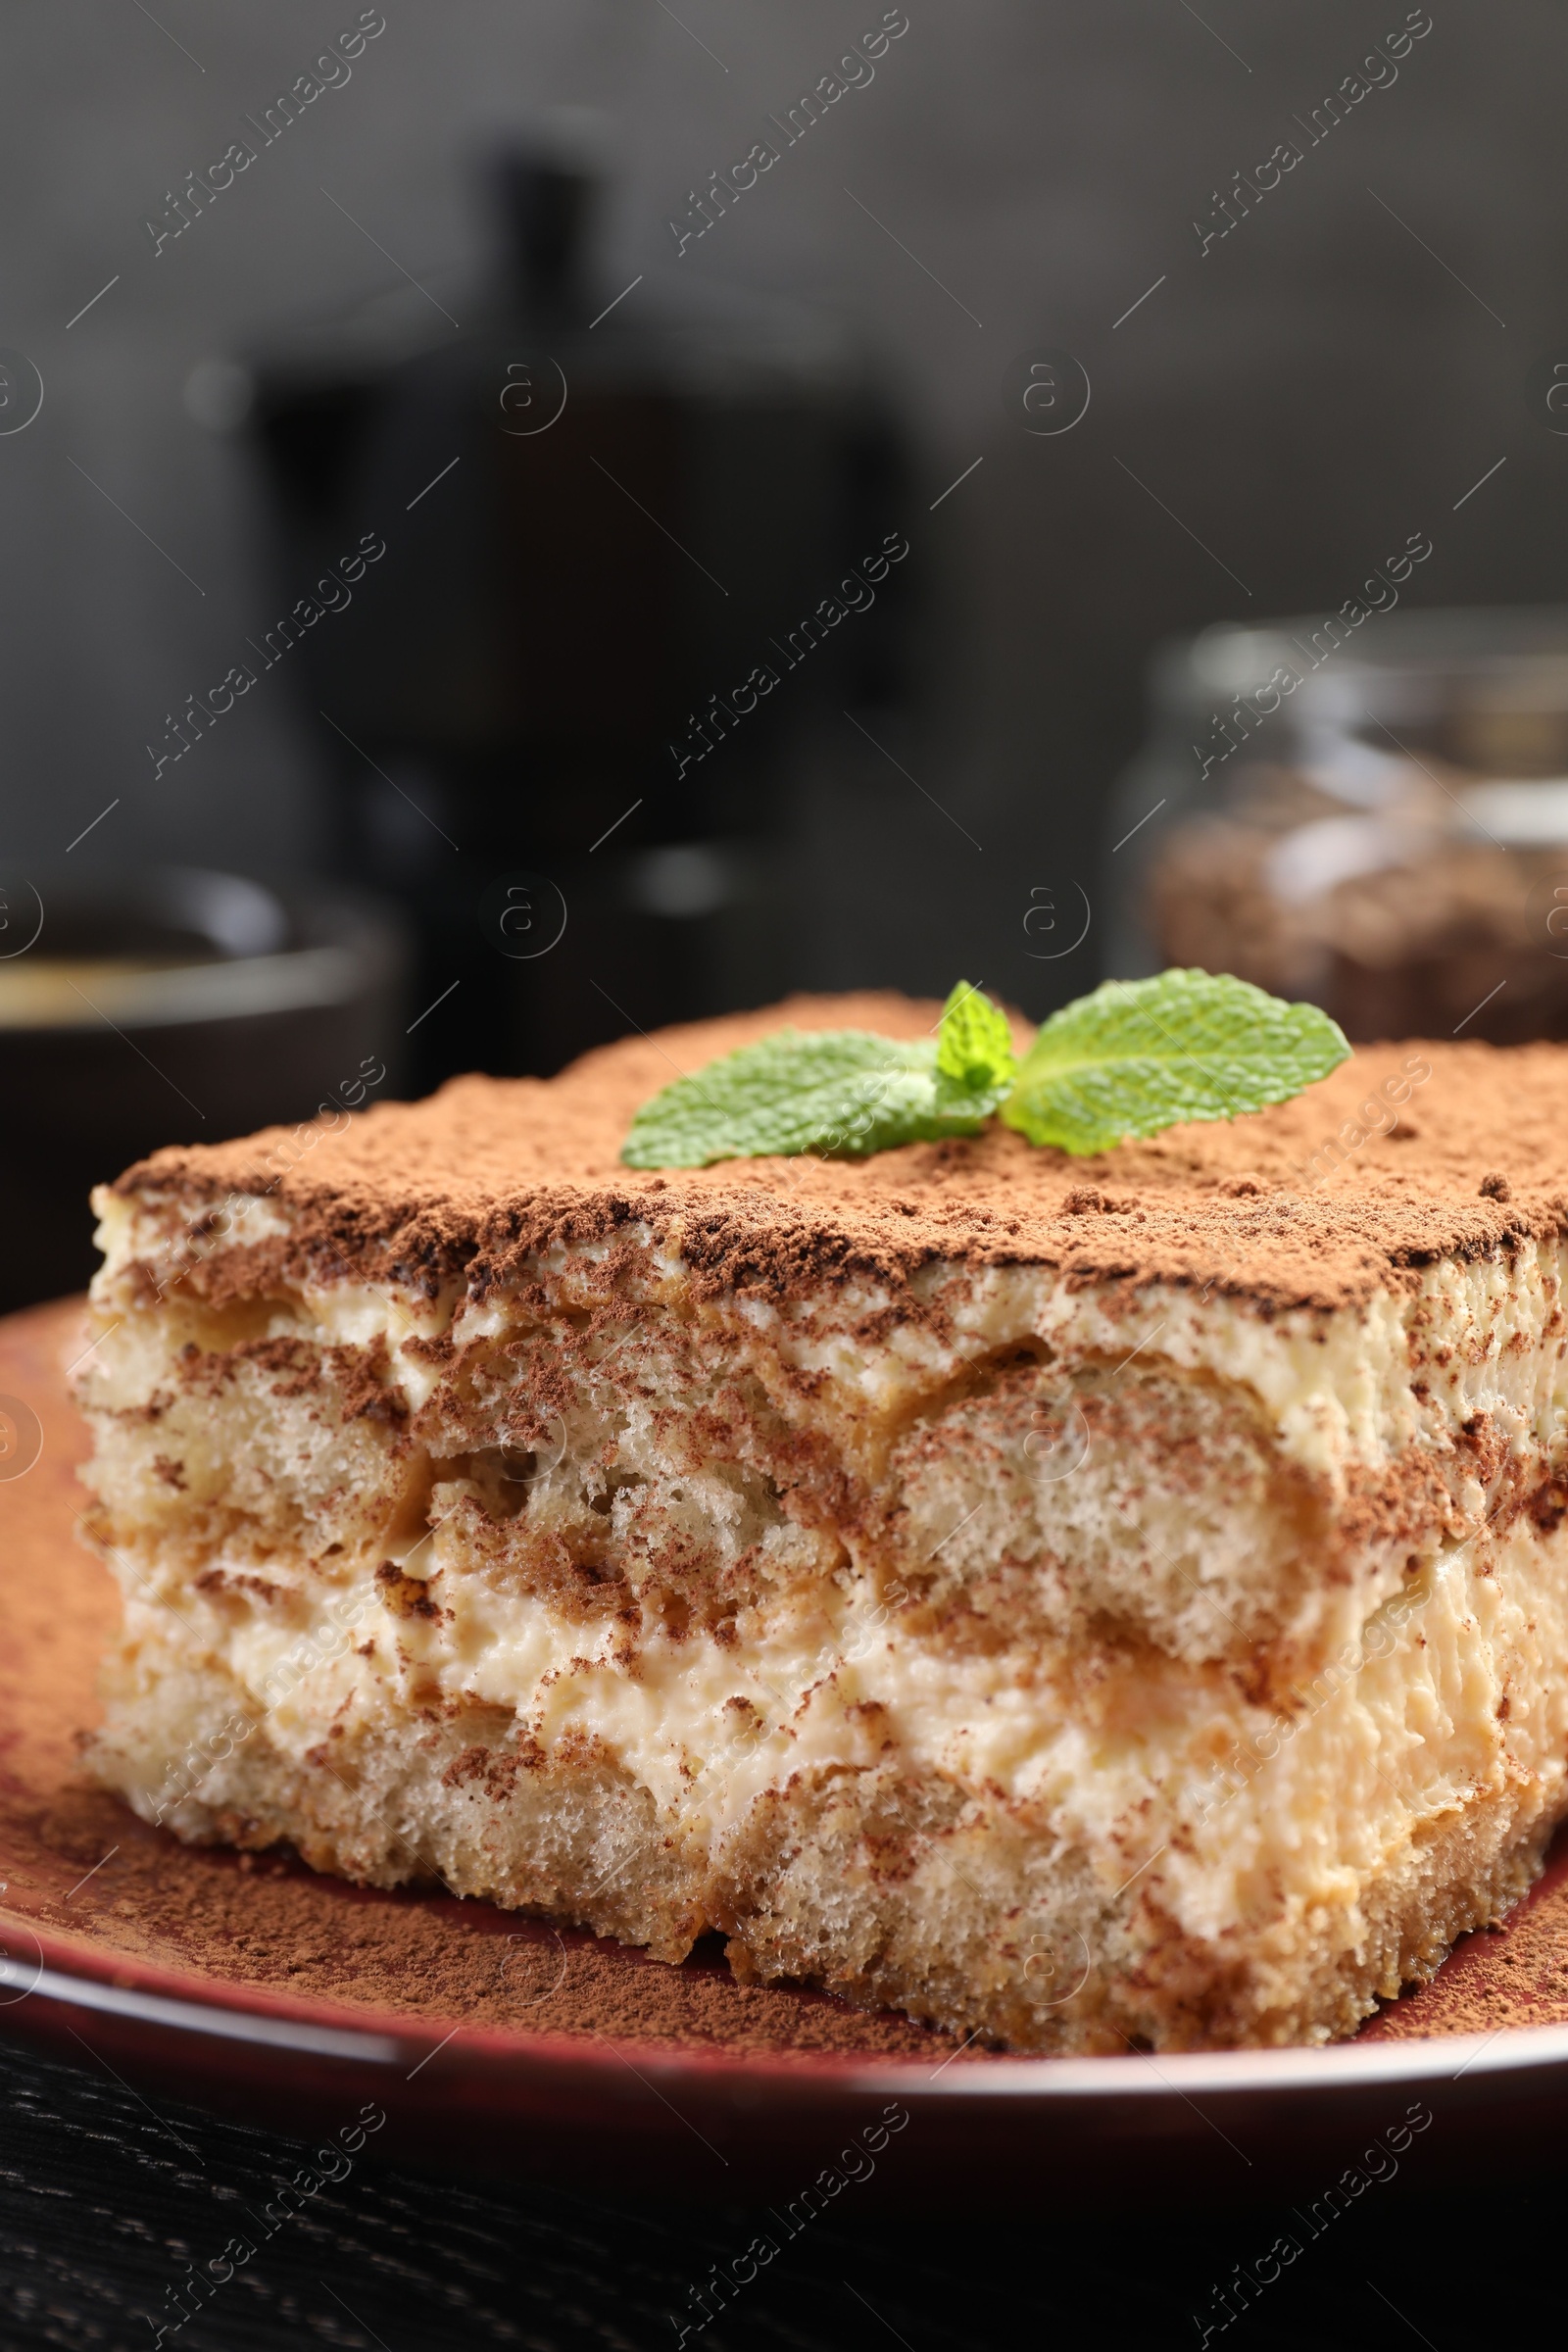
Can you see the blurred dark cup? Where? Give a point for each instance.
(171, 1006)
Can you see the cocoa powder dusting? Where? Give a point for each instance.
(1316, 1202)
(1516, 1975)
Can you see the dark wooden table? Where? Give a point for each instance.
(108, 2203)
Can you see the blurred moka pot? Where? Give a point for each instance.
(1372, 815)
(635, 538)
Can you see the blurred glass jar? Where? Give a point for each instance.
(1377, 822)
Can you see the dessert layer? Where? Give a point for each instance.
(1218, 1407)
(1003, 1844)
(880, 1563)
(1403, 1157)
(1024, 1456)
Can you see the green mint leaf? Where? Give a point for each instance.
(975, 1045)
(832, 1090)
(841, 1090)
(1140, 1055)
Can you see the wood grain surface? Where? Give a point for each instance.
(109, 2203)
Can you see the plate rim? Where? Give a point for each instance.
(78, 1974)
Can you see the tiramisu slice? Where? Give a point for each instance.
(1083, 1602)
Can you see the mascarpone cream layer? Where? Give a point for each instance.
(1458, 1688)
(1356, 1386)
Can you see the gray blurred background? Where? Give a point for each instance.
(1298, 394)
(1280, 410)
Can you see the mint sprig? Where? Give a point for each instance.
(974, 1044)
(840, 1091)
(1133, 1057)
(1138, 1055)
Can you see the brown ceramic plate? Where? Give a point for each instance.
(489, 2040)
